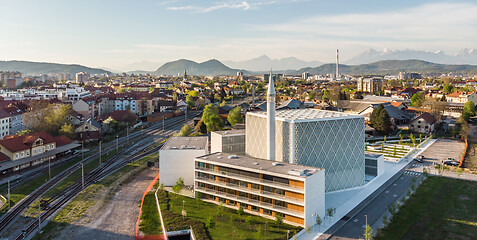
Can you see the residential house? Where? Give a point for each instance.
(90, 130)
(424, 123)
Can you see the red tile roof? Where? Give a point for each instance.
(62, 140)
(18, 143)
(427, 117)
(3, 157)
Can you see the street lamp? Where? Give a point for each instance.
(100, 152)
(82, 176)
(183, 212)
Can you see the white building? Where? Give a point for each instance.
(4, 123)
(230, 141)
(176, 159)
(81, 77)
(262, 187)
(317, 138)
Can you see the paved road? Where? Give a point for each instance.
(353, 228)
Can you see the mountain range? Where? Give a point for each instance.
(264, 63)
(389, 67)
(208, 68)
(464, 56)
(36, 68)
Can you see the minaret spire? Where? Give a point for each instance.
(271, 118)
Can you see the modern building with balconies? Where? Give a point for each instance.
(262, 187)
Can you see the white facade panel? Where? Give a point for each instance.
(314, 197)
(176, 163)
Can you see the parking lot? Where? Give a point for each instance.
(443, 149)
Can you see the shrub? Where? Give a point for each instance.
(210, 222)
(240, 211)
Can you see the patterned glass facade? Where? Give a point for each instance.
(335, 144)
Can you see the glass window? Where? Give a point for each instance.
(22, 154)
(16, 155)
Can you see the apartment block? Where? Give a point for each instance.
(262, 187)
(230, 141)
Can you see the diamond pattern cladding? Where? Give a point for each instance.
(335, 145)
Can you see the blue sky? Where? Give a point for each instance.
(117, 33)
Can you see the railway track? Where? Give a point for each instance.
(112, 165)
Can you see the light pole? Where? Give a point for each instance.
(117, 142)
(82, 152)
(314, 214)
(183, 212)
(163, 123)
(8, 194)
(127, 132)
(39, 216)
(288, 233)
(100, 152)
(82, 176)
(49, 169)
(365, 228)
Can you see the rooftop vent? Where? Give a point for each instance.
(233, 157)
(256, 163)
(296, 172)
(277, 164)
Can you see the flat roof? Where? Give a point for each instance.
(306, 114)
(257, 164)
(181, 143)
(231, 132)
(372, 155)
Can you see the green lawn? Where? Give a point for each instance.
(228, 224)
(441, 208)
(150, 223)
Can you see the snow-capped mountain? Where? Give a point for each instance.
(264, 63)
(464, 56)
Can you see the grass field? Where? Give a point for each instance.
(441, 208)
(228, 224)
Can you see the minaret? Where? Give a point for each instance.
(271, 119)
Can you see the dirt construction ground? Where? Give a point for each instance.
(115, 219)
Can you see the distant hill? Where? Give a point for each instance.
(208, 68)
(264, 63)
(35, 68)
(464, 56)
(390, 67)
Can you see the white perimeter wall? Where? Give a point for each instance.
(314, 197)
(177, 163)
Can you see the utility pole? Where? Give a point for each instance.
(127, 133)
(49, 169)
(186, 114)
(82, 176)
(117, 142)
(366, 226)
(8, 195)
(163, 123)
(39, 215)
(82, 152)
(100, 152)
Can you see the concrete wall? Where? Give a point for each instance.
(175, 163)
(215, 142)
(314, 197)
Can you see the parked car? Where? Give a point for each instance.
(418, 159)
(451, 163)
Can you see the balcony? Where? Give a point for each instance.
(262, 193)
(251, 179)
(249, 201)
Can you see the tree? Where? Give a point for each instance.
(368, 232)
(380, 120)
(278, 219)
(326, 95)
(193, 93)
(178, 186)
(235, 116)
(318, 220)
(417, 99)
(312, 95)
(469, 110)
(240, 211)
(448, 89)
(185, 131)
(68, 130)
(174, 98)
(190, 101)
(47, 117)
(211, 118)
(210, 222)
(151, 89)
(201, 127)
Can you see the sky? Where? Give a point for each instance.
(118, 33)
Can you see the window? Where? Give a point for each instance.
(22, 154)
(34, 151)
(48, 147)
(52, 146)
(16, 156)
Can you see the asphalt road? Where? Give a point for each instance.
(374, 209)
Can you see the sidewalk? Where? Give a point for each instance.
(347, 200)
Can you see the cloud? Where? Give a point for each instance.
(242, 5)
(429, 22)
